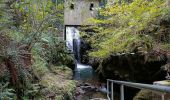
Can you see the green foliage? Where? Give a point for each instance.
(144, 94)
(26, 20)
(32, 91)
(23, 76)
(13, 55)
(126, 27)
(22, 23)
(53, 49)
(39, 66)
(6, 93)
(56, 84)
(5, 15)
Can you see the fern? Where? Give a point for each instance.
(53, 50)
(5, 92)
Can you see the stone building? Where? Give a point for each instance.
(76, 14)
(78, 11)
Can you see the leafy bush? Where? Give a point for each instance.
(53, 49)
(128, 27)
(22, 23)
(33, 91)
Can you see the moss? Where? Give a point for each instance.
(56, 80)
(59, 83)
(62, 71)
(143, 95)
(165, 82)
(70, 88)
(39, 67)
(60, 97)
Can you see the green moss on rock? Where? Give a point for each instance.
(143, 95)
(164, 83)
(62, 71)
(59, 84)
(39, 67)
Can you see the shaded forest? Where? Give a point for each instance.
(125, 39)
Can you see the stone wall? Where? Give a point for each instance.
(78, 11)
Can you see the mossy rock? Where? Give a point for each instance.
(39, 67)
(164, 83)
(143, 95)
(59, 83)
(63, 71)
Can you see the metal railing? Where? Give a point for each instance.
(110, 88)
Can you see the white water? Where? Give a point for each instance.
(82, 66)
(83, 72)
(73, 43)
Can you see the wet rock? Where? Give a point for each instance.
(103, 90)
(130, 67)
(88, 88)
(87, 84)
(79, 91)
(143, 95)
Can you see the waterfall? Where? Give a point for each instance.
(82, 72)
(73, 42)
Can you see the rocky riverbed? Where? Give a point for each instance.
(90, 90)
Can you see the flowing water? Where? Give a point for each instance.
(88, 83)
(73, 42)
(83, 72)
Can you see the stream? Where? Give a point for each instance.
(89, 87)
